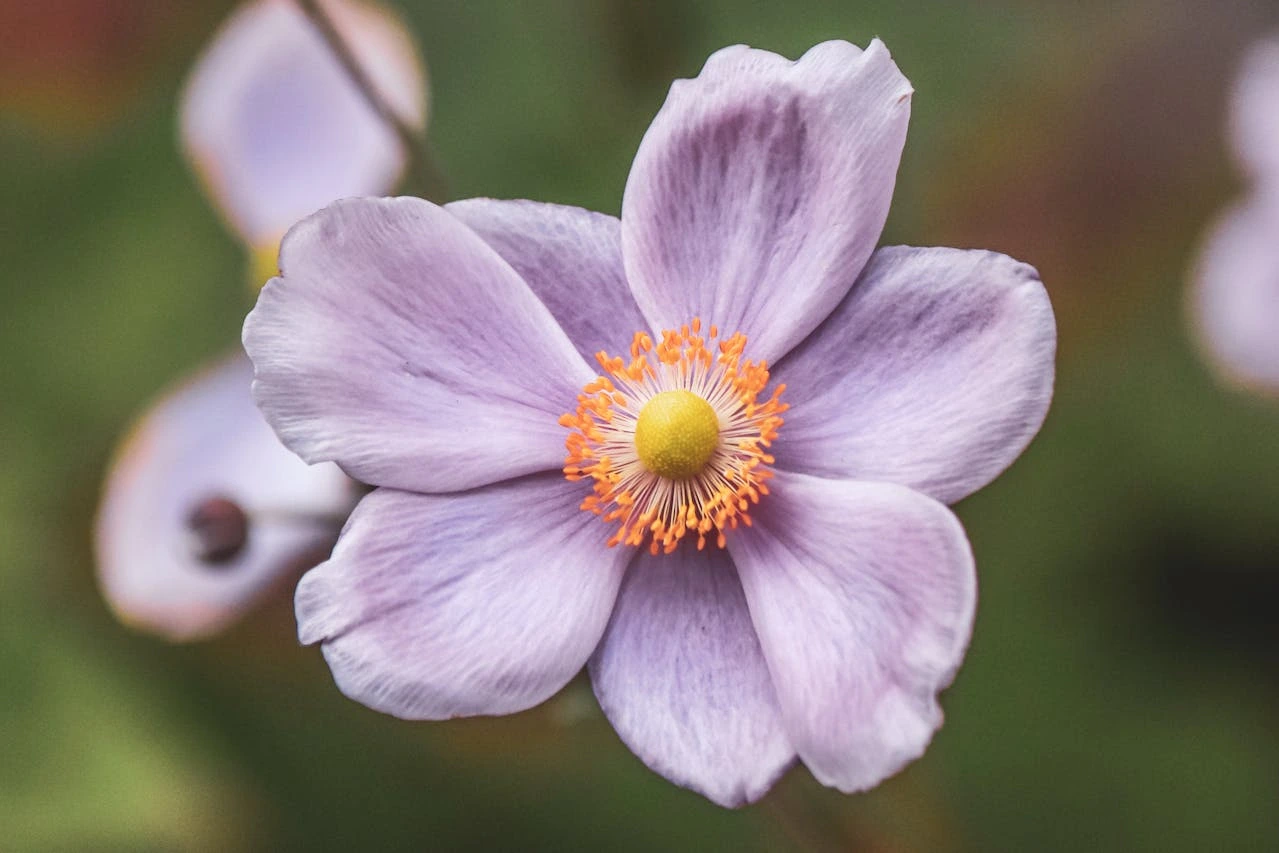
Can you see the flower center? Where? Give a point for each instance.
(676, 434)
(674, 439)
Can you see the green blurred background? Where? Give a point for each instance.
(1122, 689)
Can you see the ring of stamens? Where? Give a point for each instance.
(602, 443)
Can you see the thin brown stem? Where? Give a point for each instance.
(423, 172)
(811, 826)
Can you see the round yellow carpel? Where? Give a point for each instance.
(676, 434)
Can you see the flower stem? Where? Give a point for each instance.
(811, 827)
(423, 171)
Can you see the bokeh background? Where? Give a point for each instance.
(1122, 688)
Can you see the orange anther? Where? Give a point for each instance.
(600, 446)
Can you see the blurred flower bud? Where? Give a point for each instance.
(1254, 112)
(1234, 301)
(204, 510)
(275, 128)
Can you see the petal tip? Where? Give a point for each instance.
(310, 608)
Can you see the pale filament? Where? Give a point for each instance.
(645, 505)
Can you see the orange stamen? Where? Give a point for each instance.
(601, 442)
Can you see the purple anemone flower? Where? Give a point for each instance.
(1235, 296)
(736, 520)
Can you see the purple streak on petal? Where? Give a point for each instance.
(1235, 300)
(681, 677)
(863, 596)
(399, 345)
(1254, 112)
(934, 372)
(761, 189)
(481, 602)
(572, 259)
(206, 441)
(275, 128)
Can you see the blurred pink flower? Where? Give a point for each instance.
(203, 509)
(1234, 299)
(275, 128)
(800, 589)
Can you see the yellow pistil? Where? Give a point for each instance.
(674, 439)
(676, 433)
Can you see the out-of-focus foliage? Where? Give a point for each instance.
(1122, 689)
